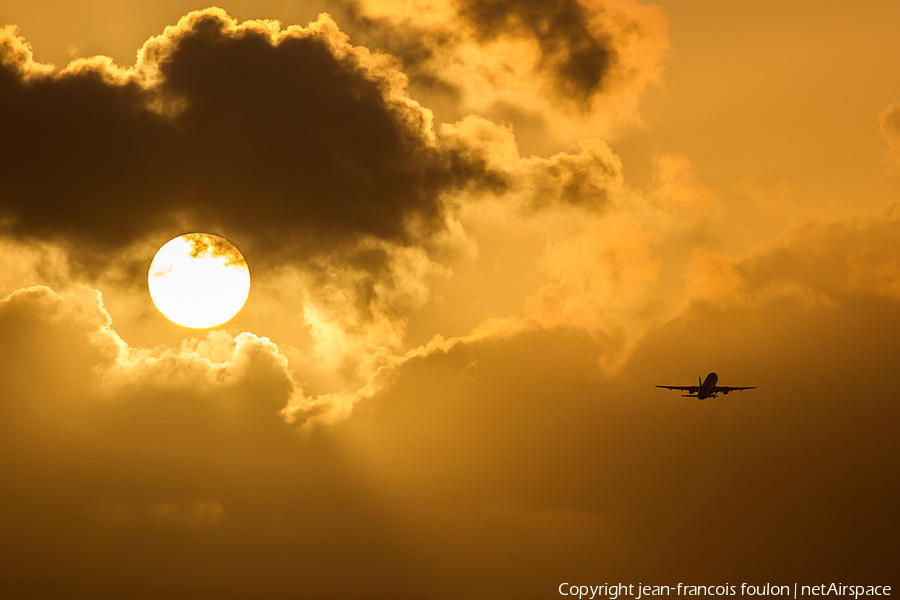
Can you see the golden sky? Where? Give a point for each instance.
(480, 233)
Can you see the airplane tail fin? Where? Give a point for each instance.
(699, 382)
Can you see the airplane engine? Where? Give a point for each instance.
(725, 392)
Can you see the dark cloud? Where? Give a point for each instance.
(582, 177)
(213, 245)
(579, 58)
(585, 50)
(289, 140)
(417, 46)
(84, 158)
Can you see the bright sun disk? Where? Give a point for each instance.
(199, 280)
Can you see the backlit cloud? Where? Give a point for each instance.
(216, 127)
(559, 71)
(889, 119)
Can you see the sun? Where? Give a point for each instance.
(199, 280)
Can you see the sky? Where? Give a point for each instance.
(479, 234)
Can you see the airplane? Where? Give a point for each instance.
(707, 389)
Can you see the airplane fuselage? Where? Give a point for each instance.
(708, 387)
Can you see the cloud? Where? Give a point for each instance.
(599, 277)
(16, 55)
(287, 141)
(467, 448)
(521, 441)
(612, 259)
(838, 258)
(558, 71)
(103, 444)
(347, 196)
(358, 303)
(62, 349)
(586, 175)
(524, 434)
(889, 119)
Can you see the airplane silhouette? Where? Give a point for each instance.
(707, 389)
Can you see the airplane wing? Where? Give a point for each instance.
(691, 389)
(727, 389)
